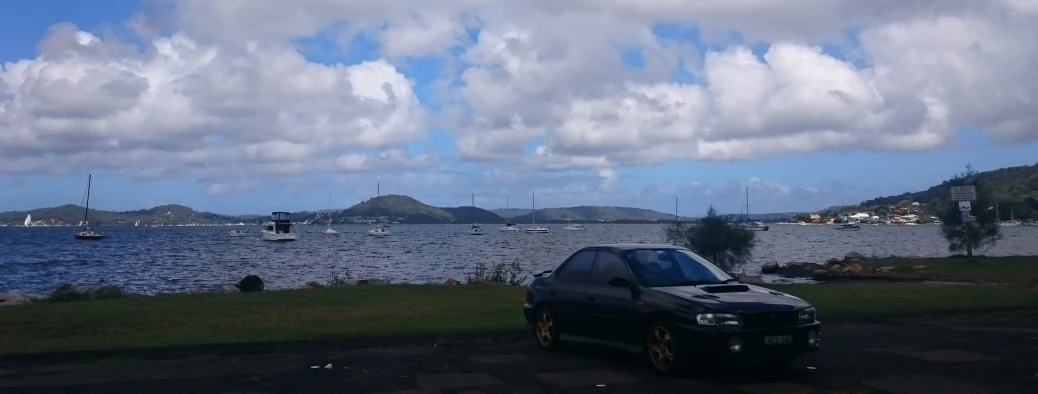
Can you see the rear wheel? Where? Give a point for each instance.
(663, 348)
(545, 332)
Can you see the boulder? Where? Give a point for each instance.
(313, 285)
(800, 270)
(103, 292)
(852, 269)
(66, 292)
(854, 256)
(17, 297)
(769, 268)
(884, 270)
(451, 282)
(750, 279)
(834, 265)
(360, 282)
(250, 284)
(919, 267)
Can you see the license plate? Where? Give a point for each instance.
(778, 340)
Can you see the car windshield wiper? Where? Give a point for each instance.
(695, 283)
(729, 281)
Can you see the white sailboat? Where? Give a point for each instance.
(87, 233)
(476, 230)
(509, 226)
(747, 223)
(380, 230)
(28, 220)
(330, 231)
(535, 229)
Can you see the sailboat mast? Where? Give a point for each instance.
(675, 208)
(533, 203)
(86, 211)
(378, 193)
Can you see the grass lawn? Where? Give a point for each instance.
(1020, 270)
(193, 319)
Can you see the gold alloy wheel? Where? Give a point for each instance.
(544, 328)
(661, 348)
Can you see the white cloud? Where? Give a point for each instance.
(228, 92)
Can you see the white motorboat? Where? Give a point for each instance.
(574, 227)
(237, 233)
(510, 227)
(380, 231)
(535, 229)
(278, 228)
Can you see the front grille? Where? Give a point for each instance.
(770, 320)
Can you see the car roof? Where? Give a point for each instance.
(626, 247)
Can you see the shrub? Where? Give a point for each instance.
(509, 274)
(716, 238)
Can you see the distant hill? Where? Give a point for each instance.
(593, 213)
(1013, 188)
(511, 212)
(72, 214)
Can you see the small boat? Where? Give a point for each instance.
(237, 233)
(509, 226)
(87, 233)
(279, 228)
(847, 227)
(574, 227)
(329, 230)
(379, 230)
(476, 230)
(747, 223)
(535, 229)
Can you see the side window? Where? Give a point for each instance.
(578, 268)
(608, 264)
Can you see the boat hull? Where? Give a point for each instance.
(278, 237)
(88, 237)
(379, 233)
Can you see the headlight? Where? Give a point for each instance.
(807, 316)
(718, 319)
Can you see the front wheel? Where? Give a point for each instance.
(545, 331)
(662, 346)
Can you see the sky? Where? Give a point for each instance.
(248, 107)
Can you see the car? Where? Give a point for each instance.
(671, 304)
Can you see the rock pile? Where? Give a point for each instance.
(848, 265)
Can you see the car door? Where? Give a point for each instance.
(569, 292)
(615, 315)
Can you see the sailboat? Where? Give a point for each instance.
(533, 217)
(28, 220)
(476, 230)
(509, 226)
(752, 225)
(380, 230)
(330, 231)
(87, 233)
(574, 227)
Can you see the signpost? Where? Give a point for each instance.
(965, 194)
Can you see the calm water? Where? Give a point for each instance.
(150, 260)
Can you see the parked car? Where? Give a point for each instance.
(670, 303)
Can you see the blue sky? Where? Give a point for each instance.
(471, 82)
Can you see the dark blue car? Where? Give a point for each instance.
(670, 303)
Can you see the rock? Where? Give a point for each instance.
(833, 261)
(451, 282)
(853, 268)
(750, 279)
(884, 270)
(66, 292)
(250, 284)
(854, 256)
(17, 298)
(800, 270)
(313, 285)
(834, 265)
(769, 268)
(358, 282)
(103, 292)
(919, 267)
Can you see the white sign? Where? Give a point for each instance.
(964, 206)
(965, 217)
(964, 193)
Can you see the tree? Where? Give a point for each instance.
(1032, 203)
(882, 210)
(981, 232)
(716, 238)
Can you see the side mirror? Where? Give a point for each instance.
(619, 281)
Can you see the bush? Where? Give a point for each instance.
(68, 292)
(509, 274)
(337, 280)
(716, 238)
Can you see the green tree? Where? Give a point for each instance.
(882, 210)
(981, 232)
(1032, 203)
(714, 237)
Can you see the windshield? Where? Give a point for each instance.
(673, 267)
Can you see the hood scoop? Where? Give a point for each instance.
(706, 296)
(726, 289)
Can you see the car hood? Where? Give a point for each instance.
(736, 297)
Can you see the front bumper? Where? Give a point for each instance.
(719, 341)
(528, 312)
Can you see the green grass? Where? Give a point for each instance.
(194, 319)
(1019, 270)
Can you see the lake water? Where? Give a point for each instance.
(159, 259)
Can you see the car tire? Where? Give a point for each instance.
(545, 330)
(663, 348)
